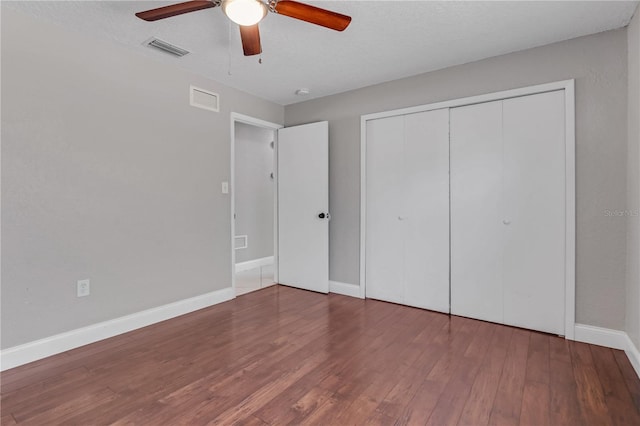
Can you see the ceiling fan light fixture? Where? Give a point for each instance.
(244, 12)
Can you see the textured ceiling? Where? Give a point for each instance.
(387, 40)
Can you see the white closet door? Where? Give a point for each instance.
(385, 203)
(476, 211)
(426, 214)
(534, 191)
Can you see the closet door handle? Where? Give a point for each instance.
(402, 218)
(506, 222)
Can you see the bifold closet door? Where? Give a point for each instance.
(508, 211)
(476, 211)
(426, 203)
(385, 202)
(534, 191)
(407, 224)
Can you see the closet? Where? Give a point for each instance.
(467, 209)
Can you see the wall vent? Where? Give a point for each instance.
(204, 99)
(241, 242)
(166, 47)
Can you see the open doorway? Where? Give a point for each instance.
(254, 215)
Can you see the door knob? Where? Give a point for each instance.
(506, 221)
(324, 216)
(402, 217)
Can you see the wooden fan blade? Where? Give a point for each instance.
(250, 40)
(175, 9)
(312, 14)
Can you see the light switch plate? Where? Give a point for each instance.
(84, 288)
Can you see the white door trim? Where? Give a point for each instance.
(241, 118)
(570, 169)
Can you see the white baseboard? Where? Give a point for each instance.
(601, 336)
(633, 354)
(345, 289)
(32, 351)
(250, 264)
(610, 338)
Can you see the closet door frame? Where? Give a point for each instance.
(568, 86)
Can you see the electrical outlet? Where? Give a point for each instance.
(225, 187)
(84, 288)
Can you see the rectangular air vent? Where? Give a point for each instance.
(241, 242)
(167, 47)
(204, 99)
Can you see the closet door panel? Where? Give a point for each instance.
(534, 185)
(384, 199)
(476, 211)
(426, 215)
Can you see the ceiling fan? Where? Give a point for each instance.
(248, 13)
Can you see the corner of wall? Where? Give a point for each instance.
(632, 319)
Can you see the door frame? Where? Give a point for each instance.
(245, 119)
(570, 178)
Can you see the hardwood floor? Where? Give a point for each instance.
(286, 356)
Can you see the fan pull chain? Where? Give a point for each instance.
(229, 47)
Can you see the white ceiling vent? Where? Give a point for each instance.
(204, 99)
(166, 47)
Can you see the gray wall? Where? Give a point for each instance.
(107, 174)
(254, 190)
(633, 185)
(599, 65)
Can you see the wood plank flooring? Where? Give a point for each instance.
(286, 356)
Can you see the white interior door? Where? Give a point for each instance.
(534, 191)
(476, 211)
(303, 206)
